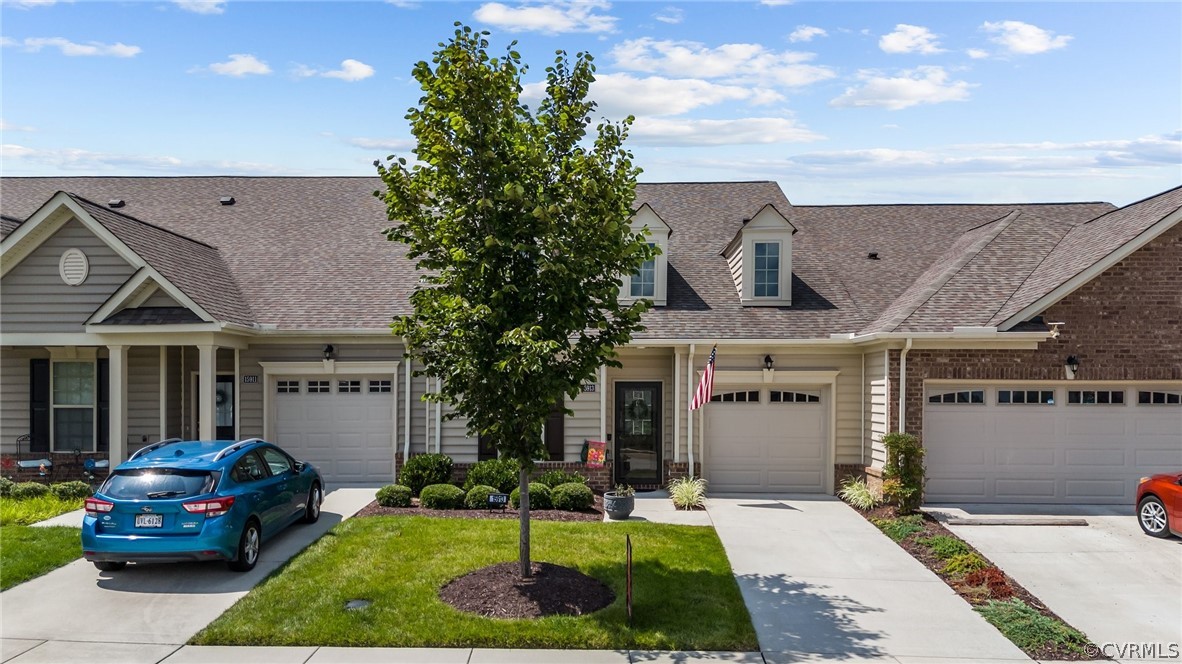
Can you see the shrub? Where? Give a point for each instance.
(442, 497)
(904, 463)
(425, 469)
(477, 496)
(964, 563)
(993, 581)
(572, 496)
(944, 546)
(688, 492)
(900, 527)
(70, 490)
(501, 474)
(25, 490)
(6, 486)
(539, 497)
(394, 495)
(1029, 629)
(855, 491)
(554, 478)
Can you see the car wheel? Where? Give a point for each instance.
(109, 566)
(1151, 514)
(312, 509)
(249, 546)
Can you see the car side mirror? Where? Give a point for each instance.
(300, 466)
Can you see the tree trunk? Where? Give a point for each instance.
(523, 510)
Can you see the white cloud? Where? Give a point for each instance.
(202, 6)
(620, 95)
(351, 70)
(804, 33)
(551, 18)
(239, 65)
(664, 132)
(922, 85)
(910, 39)
(389, 144)
(751, 63)
(977, 53)
(671, 15)
(8, 126)
(72, 49)
(1024, 39)
(28, 4)
(776, 3)
(21, 159)
(404, 4)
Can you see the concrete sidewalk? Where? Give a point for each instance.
(657, 507)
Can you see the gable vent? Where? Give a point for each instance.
(116, 203)
(226, 200)
(73, 267)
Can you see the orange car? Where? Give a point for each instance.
(1159, 505)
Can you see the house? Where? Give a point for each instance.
(1035, 348)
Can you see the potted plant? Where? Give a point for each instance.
(619, 502)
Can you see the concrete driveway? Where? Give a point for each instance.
(143, 610)
(1107, 579)
(823, 583)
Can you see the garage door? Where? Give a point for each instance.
(766, 440)
(1050, 443)
(344, 426)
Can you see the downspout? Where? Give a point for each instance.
(863, 446)
(438, 418)
(406, 414)
(689, 423)
(903, 386)
(677, 406)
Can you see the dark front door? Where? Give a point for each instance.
(224, 407)
(638, 433)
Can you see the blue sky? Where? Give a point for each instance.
(840, 102)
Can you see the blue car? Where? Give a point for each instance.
(180, 500)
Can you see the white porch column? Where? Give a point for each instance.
(206, 388)
(117, 362)
(164, 393)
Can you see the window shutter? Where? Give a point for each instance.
(104, 406)
(38, 405)
(556, 434)
(484, 450)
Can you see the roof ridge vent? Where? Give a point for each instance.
(116, 203)
(226, 200)
(872, 256)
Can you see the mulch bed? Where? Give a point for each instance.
(970, 594)
(593, 514)
(553, 590)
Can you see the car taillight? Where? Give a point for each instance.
(96, 506)
(210, 508)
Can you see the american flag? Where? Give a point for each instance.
(706, 385)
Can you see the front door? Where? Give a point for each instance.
(638, 433)
(224, 407)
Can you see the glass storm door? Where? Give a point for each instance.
(638, 433)
(224, 407)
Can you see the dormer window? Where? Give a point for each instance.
(649, 282)
(760, 258)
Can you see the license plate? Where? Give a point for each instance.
(149, 520)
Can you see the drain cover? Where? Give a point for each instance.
(357, 604)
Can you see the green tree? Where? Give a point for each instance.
(519, 227)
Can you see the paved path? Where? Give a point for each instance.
(821, 583)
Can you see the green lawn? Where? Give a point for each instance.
(27, 552)
(27, 511)
(685, 596)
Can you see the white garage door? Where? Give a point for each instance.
(1049, 443)
(766, 440)
(342, 425)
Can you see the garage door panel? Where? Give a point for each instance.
(1161, 426)
(1022, 457)
(1109, 457)
(1165, 460)
(1023, 424)
(963, 487)
(960, 456)
(1017, 490)
(1087, 489)
(1089, 427)
(765, 446)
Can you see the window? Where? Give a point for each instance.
(776, 396)
(644, 280)
(74, 401)
(1149, 398)
(318, 387)
(376, 386)
(767, 269)
(1029, 397)
(249, 469)
(288, 387)
(349, 386)
(960, 396)
(1095, 397)
(749, 396)
(277, 461)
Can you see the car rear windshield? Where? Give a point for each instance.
(158, 483)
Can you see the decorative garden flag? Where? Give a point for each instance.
(596, 453)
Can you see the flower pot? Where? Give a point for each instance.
(618, 507)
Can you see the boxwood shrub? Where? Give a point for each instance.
(477, 497)
(394, 495)
(554, 478)
(539, 496)
(6, 486)
(23, 490)
(442, 497)
(501, 474)
(70, 490)
(425, 469)
(571, 496)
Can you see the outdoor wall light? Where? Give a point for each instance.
(768, 362)
(328, 351)
(1072, 365)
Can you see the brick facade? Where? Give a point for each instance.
(1125, 324)
(65, 467)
